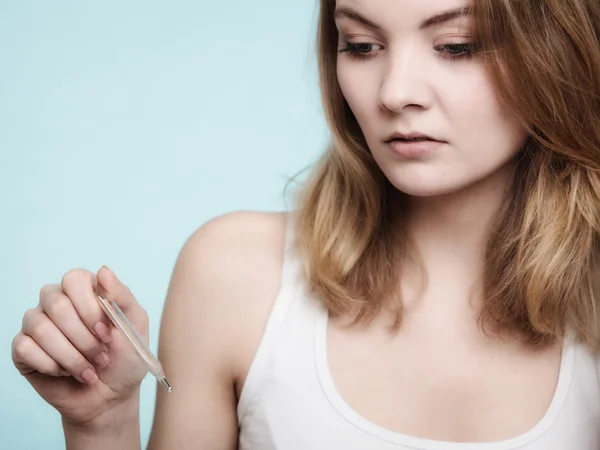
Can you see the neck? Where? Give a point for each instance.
(449, 232)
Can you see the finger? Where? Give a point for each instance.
(28, 357)
(59, 308)
(100, 330)
(112, 288)
(46, 334)
(79, 285)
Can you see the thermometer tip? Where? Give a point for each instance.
(166, 384)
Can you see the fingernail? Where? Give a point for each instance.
(102, 359)
(103, 332)
(89, 376)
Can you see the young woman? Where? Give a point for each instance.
(437, 286)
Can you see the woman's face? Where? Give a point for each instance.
(403, 72)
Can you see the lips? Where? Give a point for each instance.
(409, 137)
(410, 140)
(414, 148)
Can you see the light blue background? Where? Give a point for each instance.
(124, 125)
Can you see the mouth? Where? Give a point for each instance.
(414, 145)
(409, 137)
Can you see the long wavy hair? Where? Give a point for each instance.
(542, 262)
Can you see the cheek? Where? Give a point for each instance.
(472, 99)
(358, 86)
(478, 115)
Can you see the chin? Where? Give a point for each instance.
(425, 185)
(430, 191)
(434, 180)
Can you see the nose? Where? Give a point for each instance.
(405, 83)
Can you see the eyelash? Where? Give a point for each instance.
(355, 50)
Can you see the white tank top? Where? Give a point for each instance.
(290, 402)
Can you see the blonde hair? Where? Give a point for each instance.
(542, 268)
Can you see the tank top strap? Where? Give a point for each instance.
(290, 258)
(288, 292)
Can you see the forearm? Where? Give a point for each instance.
(118, 430)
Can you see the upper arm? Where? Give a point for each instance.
(200, 336)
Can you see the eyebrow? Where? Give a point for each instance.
(438, 19)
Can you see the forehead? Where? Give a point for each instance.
(400, 14)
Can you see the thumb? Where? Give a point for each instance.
(110, 287)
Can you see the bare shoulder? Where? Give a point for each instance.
(224, 283)
(245, 262)
(239, 254)
(241, 234)
(233, 263)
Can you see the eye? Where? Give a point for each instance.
(457, 51)
(360, 50)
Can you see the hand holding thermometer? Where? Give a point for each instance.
(120, 321)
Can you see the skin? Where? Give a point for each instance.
(462, 386)
(409, 82)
